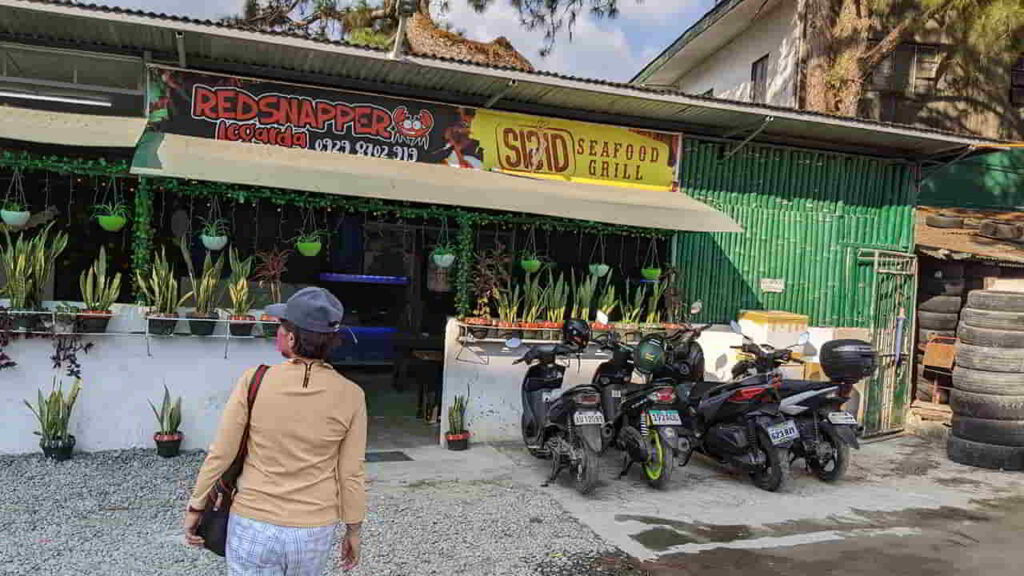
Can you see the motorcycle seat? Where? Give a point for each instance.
(790, 387)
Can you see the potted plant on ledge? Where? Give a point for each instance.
(160, 290)
(168, 438)
(203, 320)
(112, 217)
(241, 300)
(98, 293)
(457, 437)
(54, 413)
(27, 264)
(271, 268)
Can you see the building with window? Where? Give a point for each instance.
(756, 51)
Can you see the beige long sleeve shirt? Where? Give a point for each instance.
(307, 444)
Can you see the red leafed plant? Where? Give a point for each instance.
(271, 265)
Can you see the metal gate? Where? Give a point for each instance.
(892, 280)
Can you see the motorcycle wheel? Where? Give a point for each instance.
(839, 461)
(584, 476)
(659, 469)
(774, 476)
(536, 453)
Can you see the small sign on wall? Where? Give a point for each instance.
(773, 285)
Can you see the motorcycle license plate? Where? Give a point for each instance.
(665, 418)
(782, 433)
(842, 418)
(585, 418)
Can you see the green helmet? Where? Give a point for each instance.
(649, 354)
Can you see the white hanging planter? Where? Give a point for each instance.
(214, 243)
(15, 218)
(443, 259)
(599, 270)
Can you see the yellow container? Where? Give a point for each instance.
(775, 327)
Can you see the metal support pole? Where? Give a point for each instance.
(396, 51)
(764, 124)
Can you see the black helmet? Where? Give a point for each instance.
(576, 333)
(649, 354)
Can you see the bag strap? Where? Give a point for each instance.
(231, 475)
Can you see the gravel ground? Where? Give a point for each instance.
(116, 513)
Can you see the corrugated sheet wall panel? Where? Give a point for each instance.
(804, 214)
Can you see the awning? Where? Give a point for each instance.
(256, 165)
(70, 129)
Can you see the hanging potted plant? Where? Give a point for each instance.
(652, 270)
(111, 217)
(597, 266)
(241, 300)
(27, 264)
(271, 266)
(214, 233)
(14, 209)
(203, 320)
(53, 414)
(443, 256)
(160, 290)
(168, 438)
(530, 263)
(457, 437)
(98, 293)
(309, 244)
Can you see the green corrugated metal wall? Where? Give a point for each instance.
(804, 214)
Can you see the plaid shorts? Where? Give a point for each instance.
(261, 549)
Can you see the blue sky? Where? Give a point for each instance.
(608, 49)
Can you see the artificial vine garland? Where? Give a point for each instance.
(142, 240)
(62, 164)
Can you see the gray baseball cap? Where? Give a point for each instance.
(313, 309)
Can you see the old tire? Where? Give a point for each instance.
(937, 320)
(942, 286)
(996, 300)
(988, 337)
(840, 460)
(941, 304)
(993, 319)
(982, 455)
(990, 359)
(584, 477)
(999, 432)
(987, 406)
(999, 230)
(943, 221)
(984, 382)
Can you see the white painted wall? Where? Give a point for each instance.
(119, 376)
(727, 70)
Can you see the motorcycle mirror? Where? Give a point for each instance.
(513, 342)
(804, 339)
(736, 327)
(602, 318)
(696, 307)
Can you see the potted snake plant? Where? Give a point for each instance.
(457, 437)
(53, 413)
(203, 320)
(168, 438)
(27, 263)
(98, 293)
(160, 290)
(241, 299)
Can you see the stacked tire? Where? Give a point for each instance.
(938, 314)
(988, 383)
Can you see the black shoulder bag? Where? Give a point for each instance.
(213, 525)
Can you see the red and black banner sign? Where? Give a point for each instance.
(241, 110)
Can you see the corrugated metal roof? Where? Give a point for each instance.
(230, 48)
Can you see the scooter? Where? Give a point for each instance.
(642, 418)
(827, 432)
(565, 428)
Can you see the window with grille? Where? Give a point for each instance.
(1017, 82)
(759, 80)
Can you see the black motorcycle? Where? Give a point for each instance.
(563, 427)
(642, 418)
(827, 432)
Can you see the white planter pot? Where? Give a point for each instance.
(15, 219)
(443, 260)
(214, 243)
(599, 270)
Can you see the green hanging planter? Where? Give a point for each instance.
(309, 249)
(651, 273)
(530, 265)
(112, 222)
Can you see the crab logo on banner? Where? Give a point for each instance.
(413, 128)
